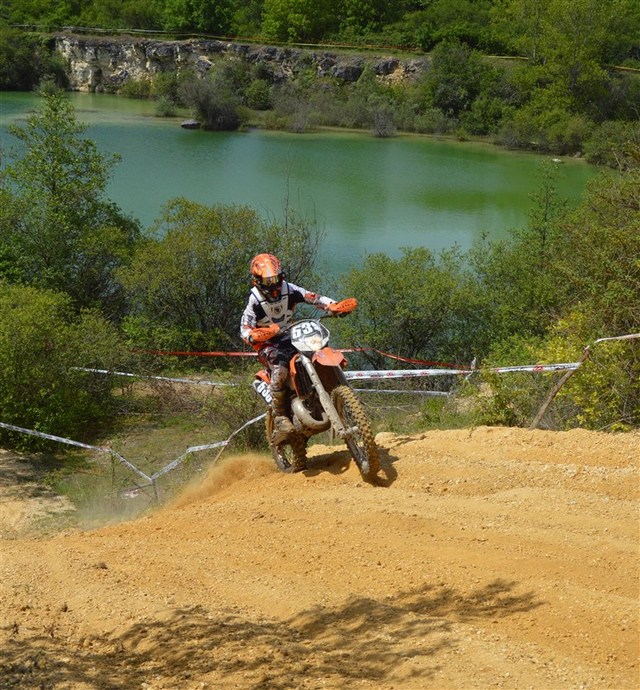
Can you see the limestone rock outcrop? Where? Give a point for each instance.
(104, 64)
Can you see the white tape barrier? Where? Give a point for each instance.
(199, 382)
(415, 373)
(195, 449)
(387, 391)
(630, 336)
(389, 374)
(69, 442)
(150, 479)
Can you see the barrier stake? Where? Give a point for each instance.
(556, 389)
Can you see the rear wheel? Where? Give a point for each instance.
(361, 442)
(290, 456)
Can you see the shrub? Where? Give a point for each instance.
(165, 107)
(607, 143)
(604, 393)
(258, 95)
(136, 88)
(417, 306)
(41, 341)
(165, 85)
(433, 121)
(546, 123)
(191, 279)
(212, 100)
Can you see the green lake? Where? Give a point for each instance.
(365, 194)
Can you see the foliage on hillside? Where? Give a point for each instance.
(563, 97)
(567, 32)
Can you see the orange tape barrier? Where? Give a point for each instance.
(409, 360)
(172, 353)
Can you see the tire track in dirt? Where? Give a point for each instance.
(488, 558)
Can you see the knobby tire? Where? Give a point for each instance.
(363, 446)
(286, 455)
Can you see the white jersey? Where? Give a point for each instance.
(260, 312)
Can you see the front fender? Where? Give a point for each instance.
(328, 357)
(263, 375)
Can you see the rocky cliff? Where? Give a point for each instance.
(105, 64)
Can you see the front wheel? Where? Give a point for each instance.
(360, 442)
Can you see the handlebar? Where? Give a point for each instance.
(261, 334)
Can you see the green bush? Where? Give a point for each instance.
(212, 101)
(609, 140)
(165, 85)
(546, 123)
(603, 394)
(165, 107)
(41, 341)
(136, 88)
(417, 306)
(258, 95)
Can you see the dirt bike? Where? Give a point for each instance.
(320, 396)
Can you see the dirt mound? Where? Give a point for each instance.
(486, 558)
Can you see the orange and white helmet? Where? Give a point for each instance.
(267, 275)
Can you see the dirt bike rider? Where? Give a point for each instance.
(272, 300)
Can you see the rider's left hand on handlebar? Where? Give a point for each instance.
(344, 307)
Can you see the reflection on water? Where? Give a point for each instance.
(366, 194)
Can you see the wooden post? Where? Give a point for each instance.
(543, 408)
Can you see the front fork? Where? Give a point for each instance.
(325, 399)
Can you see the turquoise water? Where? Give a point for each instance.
(365, 194)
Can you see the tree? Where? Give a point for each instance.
(213, 99)
(456, 77)
(465, 21)
(119, 14)
(57, 229)
(25, 61)
(516, 279)
(519, 25)
(416, 306)
(361, 16)
(597, 251)
(190, 280)
(18, 70)
(209, 16)
(571, 43)
(294, 21)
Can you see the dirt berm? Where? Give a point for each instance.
(488, 558)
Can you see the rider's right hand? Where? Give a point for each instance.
(262, 334)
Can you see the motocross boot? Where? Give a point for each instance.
(281, 423)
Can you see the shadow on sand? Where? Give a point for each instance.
(338, 461)
(381, 641)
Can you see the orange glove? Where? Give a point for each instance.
(344, 307)
(262, 334)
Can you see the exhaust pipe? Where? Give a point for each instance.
(300, 411)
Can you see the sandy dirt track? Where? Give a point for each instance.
(487, 558)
